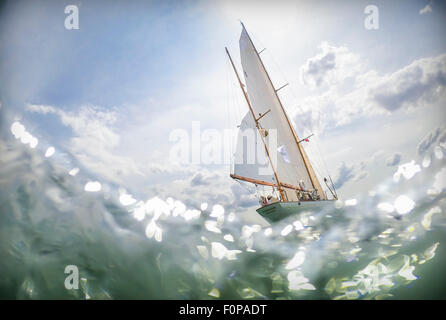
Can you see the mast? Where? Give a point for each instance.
(282, 193)
(309, 168)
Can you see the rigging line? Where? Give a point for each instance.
(230, 106)
(235, 112)
(236, 98)
(323, 177)
(257, 195)
(235, 101)
(318, 157)
(229, 124)
(279, 72)
(322, 168)
(237, 119)
(310, 151)
(316, 163)
(227, 121)
(323, 159)
(317, 143)
(238, 115)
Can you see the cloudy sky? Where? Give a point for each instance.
(111, 93)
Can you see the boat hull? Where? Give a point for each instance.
(281, 210)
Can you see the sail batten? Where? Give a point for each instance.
(289, 159)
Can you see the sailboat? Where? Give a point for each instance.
(288, 171)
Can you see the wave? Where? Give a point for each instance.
(374, 246)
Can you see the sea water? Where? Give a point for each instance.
(389, 243)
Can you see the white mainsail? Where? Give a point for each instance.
(289, 159)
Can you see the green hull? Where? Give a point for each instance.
(281, 210)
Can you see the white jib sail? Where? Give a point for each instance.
(250, 158)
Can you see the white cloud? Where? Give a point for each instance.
(215, 186)
(426, 9)
(361, 175)
(344, 174)
(376, 156)
(204, 179)
(349, 172)
(393, 160)
(94, 140)
(332, 66)
(96, 143)
(421, 83)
